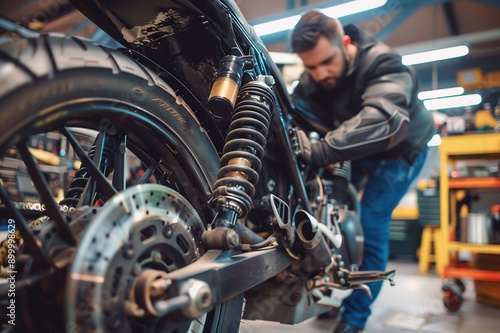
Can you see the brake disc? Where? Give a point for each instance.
(146, 227)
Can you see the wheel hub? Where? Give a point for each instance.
(139, 232)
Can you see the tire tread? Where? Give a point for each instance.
(27, 60)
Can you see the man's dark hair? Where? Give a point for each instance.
(312, 25)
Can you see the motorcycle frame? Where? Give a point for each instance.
(222, 15)
(212, 22)
(217, 267)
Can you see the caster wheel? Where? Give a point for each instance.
(459, 283)
(453, 294)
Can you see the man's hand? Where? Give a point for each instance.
(313, 153)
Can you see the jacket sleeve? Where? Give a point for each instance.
(381, 122)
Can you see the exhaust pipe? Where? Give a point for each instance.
(311, 240)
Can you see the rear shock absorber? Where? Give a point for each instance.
(242, 155)
(340, 175)
(77, 185)
(76, 188)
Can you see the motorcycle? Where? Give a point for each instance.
(155, 187)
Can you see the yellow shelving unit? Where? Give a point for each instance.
(451, 150)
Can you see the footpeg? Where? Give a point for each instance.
(351, 278)
(344, 280)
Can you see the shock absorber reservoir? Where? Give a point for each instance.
(225, 88)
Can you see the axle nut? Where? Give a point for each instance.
(200, 295)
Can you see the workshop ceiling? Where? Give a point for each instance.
(408, 25)
(398, 22)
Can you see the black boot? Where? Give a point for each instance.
(330, 314)
(346, 328)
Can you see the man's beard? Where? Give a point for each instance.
(331, 83)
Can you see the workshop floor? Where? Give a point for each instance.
(414, 304)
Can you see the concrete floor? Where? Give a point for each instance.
(415, 301)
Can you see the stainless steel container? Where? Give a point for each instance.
(476, 228)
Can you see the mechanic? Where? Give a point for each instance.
(356, 93)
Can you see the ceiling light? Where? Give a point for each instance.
(284, 58)
(434, 141)
(440, 93)
(435, 55)
(452, 102)
(352, 7)
(344, 9)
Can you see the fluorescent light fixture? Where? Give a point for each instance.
(440, 93)
(284, 58)
(434, 141)
(352, 7)
(435, 55)
(452, 102)
(344, 9)
(271, 27)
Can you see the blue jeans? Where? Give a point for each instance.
(387, 181)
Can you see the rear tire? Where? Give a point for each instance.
(54, 84)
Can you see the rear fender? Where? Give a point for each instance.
(181, 90)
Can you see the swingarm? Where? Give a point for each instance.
(221, 274)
